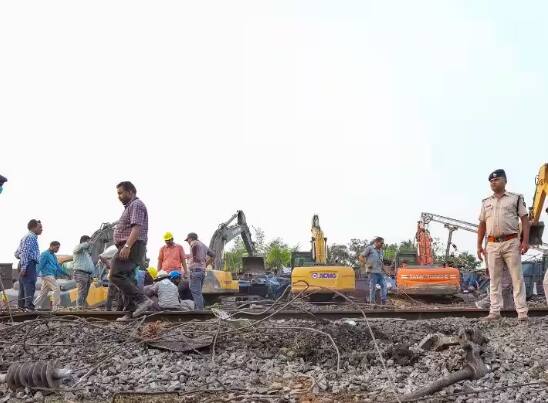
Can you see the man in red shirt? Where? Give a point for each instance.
(172, 256)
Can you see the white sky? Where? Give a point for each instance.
(364, 112)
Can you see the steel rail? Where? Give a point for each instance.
(407, 314)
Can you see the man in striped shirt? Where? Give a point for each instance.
(29, 255)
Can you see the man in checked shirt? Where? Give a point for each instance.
(130, 237)
(29, 255)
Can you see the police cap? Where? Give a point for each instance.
(497, 173)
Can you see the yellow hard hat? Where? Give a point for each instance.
(168, 236)
(153, 271)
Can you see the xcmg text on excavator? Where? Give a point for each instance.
(310, 269)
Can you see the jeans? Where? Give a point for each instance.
(83, 280)
(374, 279)
(196, 283)
(122, 275)
(27, 287)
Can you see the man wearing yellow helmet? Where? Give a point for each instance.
(172, 256)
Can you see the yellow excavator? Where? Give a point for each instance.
(311, 268)
(541, 189)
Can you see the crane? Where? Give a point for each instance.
(453, 224)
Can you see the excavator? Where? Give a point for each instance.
(218, 281)
(311, 268)
(416, 273)
(541, 189)
(411, 281)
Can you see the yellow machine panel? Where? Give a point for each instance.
(219, 282)
(340, 278)
(96, 296)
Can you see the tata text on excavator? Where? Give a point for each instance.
(310, 269)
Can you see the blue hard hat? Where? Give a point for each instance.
(174, 275)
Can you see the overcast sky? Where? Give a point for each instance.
(365, 112)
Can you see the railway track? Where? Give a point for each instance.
(407, 314)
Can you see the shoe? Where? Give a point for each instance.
(142, 308)
(126, 318)
(522, 317)
(493, 316)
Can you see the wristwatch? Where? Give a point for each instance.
(126, 246)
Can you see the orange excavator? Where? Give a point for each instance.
(416, 272)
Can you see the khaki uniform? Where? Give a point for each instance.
(501, 216)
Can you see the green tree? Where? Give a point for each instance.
(339, 255)
(277, 254)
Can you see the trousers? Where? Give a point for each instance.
(498, 254)
(122, 275)
(27, 287)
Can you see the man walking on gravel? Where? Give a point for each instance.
(29, 255)
(499, 220)
(48, 268)
(373, 259)
(84, 269)
(130, 237)
(202, 256)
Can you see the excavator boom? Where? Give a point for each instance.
(541, 189)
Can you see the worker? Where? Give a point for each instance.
(201, 257)
(48, 268)
(184, 290)
(165, 294)
(172, 256)
(499, 220)
(83, 268)
(29, 254)
(373, 259)
(3, 180)
(130, 237)
(545, 284)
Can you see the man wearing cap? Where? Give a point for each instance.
(172, 256)
(499, 220)
(2, 181)
(202, 256)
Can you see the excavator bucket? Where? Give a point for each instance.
(253, 265)
(535, 234)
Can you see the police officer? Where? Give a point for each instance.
(499, 220)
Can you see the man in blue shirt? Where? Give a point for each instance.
(84, 269)
(29, 254)
(48, 267)
(373, 258)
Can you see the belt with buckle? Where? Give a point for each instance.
(501, 238)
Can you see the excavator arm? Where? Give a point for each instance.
(535, 211)
(226, 232)
(319, 242)
(102, 239)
